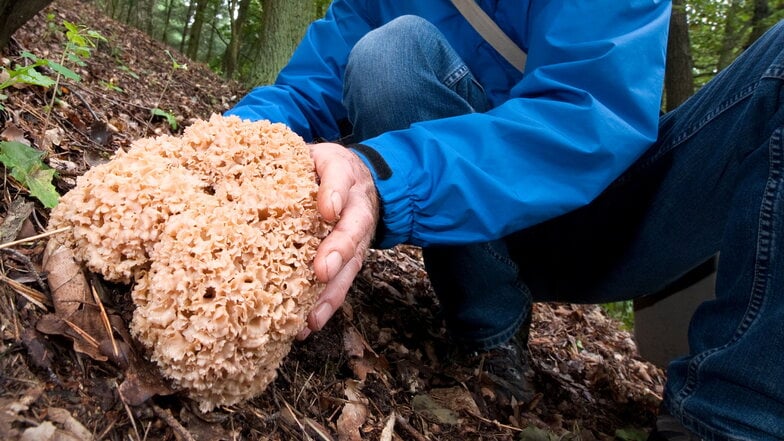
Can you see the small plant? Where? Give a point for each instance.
(26, 166)
(81, 42)
(170, 118)
(109, 85)
(622, 311)
(157, 111)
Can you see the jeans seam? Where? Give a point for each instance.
(775, 71)
(760, 282)
(455, 75)
(688, 132)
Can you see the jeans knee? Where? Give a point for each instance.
(385, 57)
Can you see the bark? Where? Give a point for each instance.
(284, 23)
(186, 25)
(15, 13)
(231, 56)
(758, 21)
(195, 35)
(166, 22)
(730, 38)
(679, 77)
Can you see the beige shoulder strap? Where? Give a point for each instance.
(490, 31)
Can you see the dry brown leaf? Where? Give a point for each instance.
(12, 132)
(354, 413)
(69, 424)
(143, 380)
(456, 398)
(66, 278)
(19, 211)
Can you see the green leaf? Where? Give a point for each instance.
(64, 71)
(32, 76)
(26, 166)
(631, 435)
(532, 433)
(29, 56)
(169, 117)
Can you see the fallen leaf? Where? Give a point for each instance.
(457, 399)
(19, 211)
(37, 348)
(429, 408)
(143, 380)
(66, 279)
(12, 132)
(353, 415)
(69, 424)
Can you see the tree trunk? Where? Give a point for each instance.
(195, 35)
(758, 21)
(211, 39)
(15, 13)
(284, 23)
(186, 25)
(730, 38)
(233, 50)
(679, 77)
(166, 22)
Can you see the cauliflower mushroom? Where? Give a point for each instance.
(217, 229)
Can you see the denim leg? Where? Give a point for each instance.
(405, 72)
(713, 182)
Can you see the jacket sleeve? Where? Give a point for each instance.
(585, 109)
(307, 93)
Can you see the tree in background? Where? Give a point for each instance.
(679, 77)
(284, 23)
(237, 25)
(250, 40)
(15, 13)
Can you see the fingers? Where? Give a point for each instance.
(334, 295)
(334, 168)
(347, 194)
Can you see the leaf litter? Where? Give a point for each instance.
(69, 368)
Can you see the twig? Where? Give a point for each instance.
(130, 415)
(33, 296)
(409, 428)
(495, 423)
(82, 333)
(34, 238)
(81, 98)
(175, 425)
(105, 320)
(29, 265)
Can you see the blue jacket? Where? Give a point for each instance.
(585, 108)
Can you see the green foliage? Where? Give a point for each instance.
(81, 41)
(631, 435)
(26, 166)
(168, 115)
(621, 311)
(109, 85)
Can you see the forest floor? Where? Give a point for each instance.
(375, 372)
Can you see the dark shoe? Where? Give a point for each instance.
(497, 375)
(668, 428)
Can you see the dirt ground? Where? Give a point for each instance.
(376, 371)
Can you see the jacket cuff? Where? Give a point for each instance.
(396, 217)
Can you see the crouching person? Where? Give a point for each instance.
(556, 181)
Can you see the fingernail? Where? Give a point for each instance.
(322, 314)
(334, 263)
(303, 334)
(337, 203)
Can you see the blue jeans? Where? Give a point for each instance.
(712, 183)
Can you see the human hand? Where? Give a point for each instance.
(347, 194)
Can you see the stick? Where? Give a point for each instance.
(36, 237)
